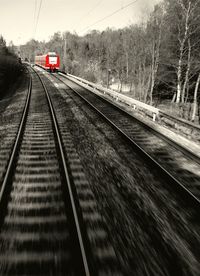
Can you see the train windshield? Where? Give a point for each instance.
(52, 54)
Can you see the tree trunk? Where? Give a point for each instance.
(187, 72)
(174, 98)
(131, 85)
(194, 111)
(199, 113)
(148, 85)
(127, 67)
(179, 73)
(152, 73)
(143, 80)
(155, 60)
(140, 81)
(152, 87)
(187, 93)
(120, 90)
(65, 54)
(182, 44)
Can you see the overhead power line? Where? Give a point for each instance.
(34, 16)
(37, 19)
(35, 9)
(89, 12)
(109, 15)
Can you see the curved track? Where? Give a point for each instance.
(11, 110)
(42, 229)
(177, 166)
(153, 229)
(50, 223)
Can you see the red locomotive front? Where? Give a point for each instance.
(50, 61)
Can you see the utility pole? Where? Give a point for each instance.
(108, 78)
(64, 52)
(18, 47)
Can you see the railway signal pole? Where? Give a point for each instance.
(64, 53)
(108, 78)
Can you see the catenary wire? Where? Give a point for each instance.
(34, 16)
(38, 15)
(89, 12)
(109, 15)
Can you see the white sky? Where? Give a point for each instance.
(18, 17)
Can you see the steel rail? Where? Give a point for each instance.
(150, 160)
(170, 141)
(161, 113)
(69, 185)
(6, 185)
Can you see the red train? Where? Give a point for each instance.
(50, 61)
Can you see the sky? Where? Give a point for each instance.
(22, 20)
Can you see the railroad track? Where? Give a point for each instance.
(176, 165)
(153, 229)
(11, 110)
(43, 218)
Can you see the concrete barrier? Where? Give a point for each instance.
(135, 104)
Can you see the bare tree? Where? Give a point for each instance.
(183, 33)
(195, 103)
(155, 30)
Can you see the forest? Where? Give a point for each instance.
(10, 68)
(156, 61)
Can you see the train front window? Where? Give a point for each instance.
(52, 54)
